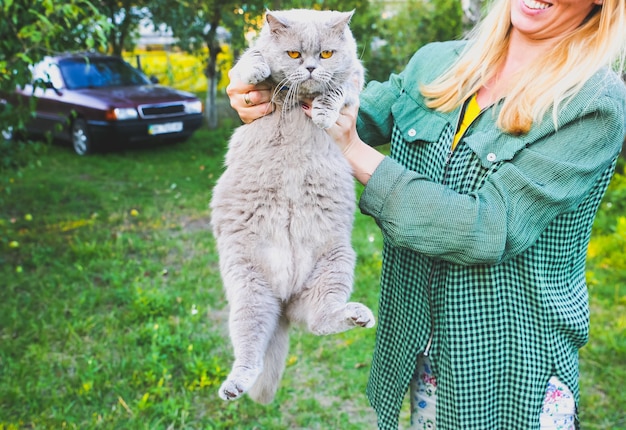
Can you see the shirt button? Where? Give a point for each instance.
(412, 132)
(491, 157)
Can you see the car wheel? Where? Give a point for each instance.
(80, 138)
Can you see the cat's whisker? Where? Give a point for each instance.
(279, 87)
(276, 98)
(287, 98)
(292, 91)
(291, 99)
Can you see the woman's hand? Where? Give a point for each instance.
(250, 101)
(343, 131)
(362, 158)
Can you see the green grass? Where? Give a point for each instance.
(112, 314)
(603, 360)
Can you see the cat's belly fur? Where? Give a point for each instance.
(285, 199)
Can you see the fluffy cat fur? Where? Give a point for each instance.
(282, 211)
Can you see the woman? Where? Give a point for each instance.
(502, 147)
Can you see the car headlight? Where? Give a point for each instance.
(193, 107)
(122, 114)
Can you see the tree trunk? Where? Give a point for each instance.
(211, 93)
(211, 71)
(211, 102)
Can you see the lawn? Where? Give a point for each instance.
(112, 314)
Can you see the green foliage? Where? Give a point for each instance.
(31, 30)
(15, 155)
(126, 14)
(399, 33)
(613, 206)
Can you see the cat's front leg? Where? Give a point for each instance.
(252, 68)
(325, 108)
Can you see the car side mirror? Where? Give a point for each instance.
(154, 79)
(50, 86)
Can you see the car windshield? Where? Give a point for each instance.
(81, 73)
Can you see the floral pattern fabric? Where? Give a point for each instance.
(558, 411)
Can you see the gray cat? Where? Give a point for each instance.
(282, 211)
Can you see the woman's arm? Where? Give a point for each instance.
(363, 158)
(507, 214)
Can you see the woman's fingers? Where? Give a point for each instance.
(252, 104)
(256, 97)
(344, 130)
(249, 113)
(250, 101)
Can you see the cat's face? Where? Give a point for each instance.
(312, 51)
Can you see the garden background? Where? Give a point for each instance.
(112, 314)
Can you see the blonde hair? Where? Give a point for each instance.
(547, 83)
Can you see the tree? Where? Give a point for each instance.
(197, 23)
(125, 15)
(29, 31)
(402, 30)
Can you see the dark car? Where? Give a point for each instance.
(97, 101)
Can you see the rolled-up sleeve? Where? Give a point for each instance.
(513, 206)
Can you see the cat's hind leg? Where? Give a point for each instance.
(254, 315)
(264, 389)
(323, 305)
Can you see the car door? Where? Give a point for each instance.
(51, 110)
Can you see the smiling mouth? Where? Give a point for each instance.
(536, 5)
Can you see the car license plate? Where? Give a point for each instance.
(168, 127)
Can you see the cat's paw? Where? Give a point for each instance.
(257, 73)
(324, 118)
(239, 381)
(360, 315)
(230, 390)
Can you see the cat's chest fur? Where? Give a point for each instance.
(286, 195)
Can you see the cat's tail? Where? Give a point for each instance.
(264, 389)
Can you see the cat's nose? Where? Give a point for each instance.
(310, 69)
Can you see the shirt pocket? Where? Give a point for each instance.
(494, 147)
(415, 123)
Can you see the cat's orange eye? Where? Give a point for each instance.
(326, 54)
(293, 54)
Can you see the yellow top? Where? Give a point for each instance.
(472, 110)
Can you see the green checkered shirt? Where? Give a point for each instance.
(484, 248)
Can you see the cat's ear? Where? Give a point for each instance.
(275, 23)
(342, 21)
